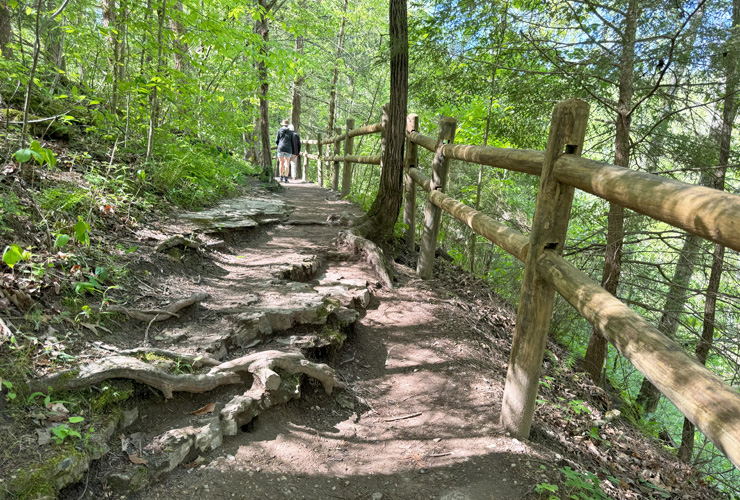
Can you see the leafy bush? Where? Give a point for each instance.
(193, 175)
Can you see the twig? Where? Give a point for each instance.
(434, 455)
(146, 333)
(412, 415)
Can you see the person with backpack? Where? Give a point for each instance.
(296, 151)
(284, 141)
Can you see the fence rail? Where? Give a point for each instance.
(703, 397)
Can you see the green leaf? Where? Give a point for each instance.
(101, 273)
(14, 254)
(76, 420)
(82, 231)
(22, 155)
(61, 240)
(35, 146)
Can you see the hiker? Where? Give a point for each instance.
(284, 141)
(296, 151)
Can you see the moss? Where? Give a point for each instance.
(42, 480)
(333, 335)
(110, 395)
(327, 308)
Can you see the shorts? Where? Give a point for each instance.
(283, 154)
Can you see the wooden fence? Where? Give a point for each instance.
(703, 397)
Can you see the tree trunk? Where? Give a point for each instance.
(29, 87)
(266, 158)
(53, 40)
(335, 76)
(295, 115)
(597, 346)
(154, 116)
(649, 395)
(686, 449)
(180, 48)
(6, 30)
(384, 211)
(109, 23)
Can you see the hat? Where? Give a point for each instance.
(285, 123)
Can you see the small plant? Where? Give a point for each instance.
(14, 254)
(9, 387)
(547, 489)
(577, 406)
(64, 431)
(38, 153)
(181, 367)
(82, 231)
(582, 485)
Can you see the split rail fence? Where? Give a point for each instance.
(703, 397)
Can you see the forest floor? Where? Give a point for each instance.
(423, 367)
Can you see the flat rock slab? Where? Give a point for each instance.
(239, 213)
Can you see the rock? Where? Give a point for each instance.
(210, 435)
(129, 417)
(128, 480)
(239, 213)
(377, 496)
(345, 317)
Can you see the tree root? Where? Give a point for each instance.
(154, 315)
(372, 253)
(176, 241)
(195, 361)
(261, 365)
(133, 369)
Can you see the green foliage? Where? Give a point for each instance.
(82, 231)
(193, 175)
(40, 154)
(582, 485)
(10, 394)
(14, 254)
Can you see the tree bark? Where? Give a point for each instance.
(263, 29)
(6, 30)
(154, 116)
(109, 23)
(180, 48)
(384, 211)
(686, 449)
(335, 75)
(597, 346)
(295, 115)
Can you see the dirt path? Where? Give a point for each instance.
(419, 418)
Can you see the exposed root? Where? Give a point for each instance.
(195, 361)
(154, 315)
(177, 241)
(133, 369)
(261, 365)
(372, 254)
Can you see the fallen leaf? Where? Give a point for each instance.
(135, 459)
(195, 463)
(206, 409)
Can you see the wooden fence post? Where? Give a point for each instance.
(335, 170)
(409, 206)
(306, 165)
(447, 128)
(320, 163)
(549, 227)
(349, 143)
